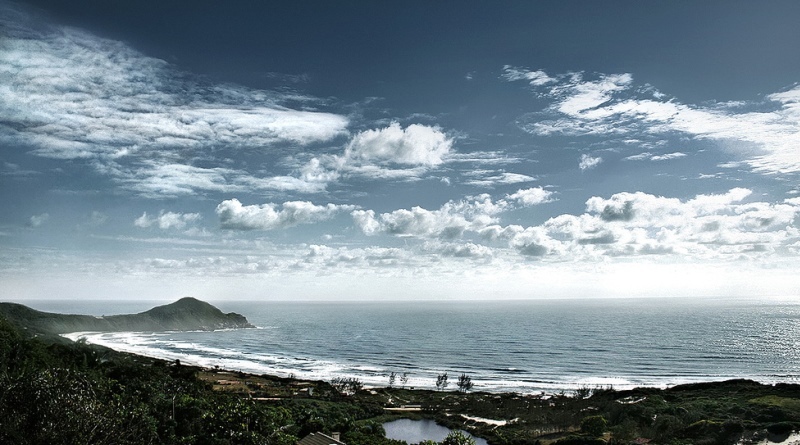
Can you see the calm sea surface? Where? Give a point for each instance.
(525, 346)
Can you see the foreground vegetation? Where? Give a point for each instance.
(53, 391)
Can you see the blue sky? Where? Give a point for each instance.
(418, 150)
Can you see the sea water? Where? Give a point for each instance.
(521, 346)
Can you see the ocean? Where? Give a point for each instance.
(519, 346)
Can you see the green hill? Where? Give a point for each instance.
(186, 314)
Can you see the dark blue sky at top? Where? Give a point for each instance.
(411, 52)
(635, 101)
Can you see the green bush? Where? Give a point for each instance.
(594, 426)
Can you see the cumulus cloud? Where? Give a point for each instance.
(355, 258)
(588, 162)
(532, 196)
(166, 220)
(235, 216)
(459, 250)
(414, 145)
(388, 153)
(451, 220)
(707, 226)
(704, 226)
(764, 133)
(448, 222)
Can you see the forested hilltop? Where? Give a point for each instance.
(53, 391)
(186, 314)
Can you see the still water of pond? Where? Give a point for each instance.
(415, 431)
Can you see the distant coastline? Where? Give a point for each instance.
(511, 346)
(185, 314)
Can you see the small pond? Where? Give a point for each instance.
(415, 431)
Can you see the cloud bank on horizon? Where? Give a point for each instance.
(124, 170)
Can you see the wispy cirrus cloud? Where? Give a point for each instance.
(764, 133)
(38, 220)
(68, 94)
(491, 178)
(73, 95)
(647, 156)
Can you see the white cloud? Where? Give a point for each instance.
(489, 178)
(705, 226)
(389, 153)
(38, 220)
(483, 158)
(721, 226)
(167, 220)
(97, 218)
(233, 215)
(459, 250)
(74, 95)
(416, 145)
(448, 222)
(534, 242)
(67, 94)
(532, 196)
(170, 179)
(536, 78)
(668, 156)
(647, 156)
(346, 258)
(589, 162)
(165, 179)
(767, 138)
(639, 157)
(579, 96)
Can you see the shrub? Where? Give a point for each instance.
(594, 426)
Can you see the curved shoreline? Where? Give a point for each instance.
(240, 363)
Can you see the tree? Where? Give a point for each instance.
(441, 381)
(347, 385)
(624, 433)
(392, 378)
(404, 379)
(594, 426)
(458, 438)
(464, 383)
(584, 392)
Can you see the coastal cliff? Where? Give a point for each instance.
(186, 314)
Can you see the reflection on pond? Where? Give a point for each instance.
(415, 431)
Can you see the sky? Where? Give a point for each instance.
(415, 150)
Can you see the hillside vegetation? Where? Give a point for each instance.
(186, 314)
